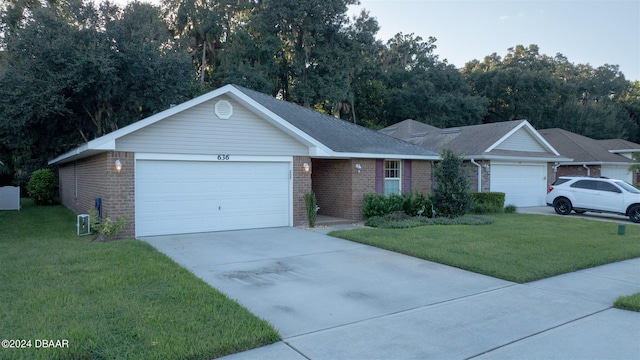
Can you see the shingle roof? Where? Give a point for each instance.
(581, 148)
(619, 144)
(469, 140)
(336, 134)
(325, 135)
(473, 140)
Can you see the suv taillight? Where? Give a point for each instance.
(550, 189)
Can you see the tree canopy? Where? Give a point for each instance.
(73, 70)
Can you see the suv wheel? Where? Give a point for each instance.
(634, 213)
(563, 206)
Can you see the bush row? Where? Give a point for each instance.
(400, 220)
(410, 204)
(413, 202)
(487, 202)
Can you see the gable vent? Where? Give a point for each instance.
(224, 109)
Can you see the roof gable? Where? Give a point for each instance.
(521, 140)
(199, 130)
(325, 136)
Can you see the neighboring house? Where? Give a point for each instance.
(610, 158)
(236, 159)
(510, 157)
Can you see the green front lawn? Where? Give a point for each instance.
(516, 247)
(631, 302)
(120, 299)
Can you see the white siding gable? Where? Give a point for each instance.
(198, 130)
(521, 140)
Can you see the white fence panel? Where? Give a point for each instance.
(10, 198)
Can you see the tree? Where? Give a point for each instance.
(205, 24)
(553, 92)
(421, 87)
(75, 72)
(451, 198)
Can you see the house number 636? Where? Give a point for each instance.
(223, 157)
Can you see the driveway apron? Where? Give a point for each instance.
(334, 299)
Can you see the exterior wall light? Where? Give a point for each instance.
(358, 167)
(306, 167)
(118, 165)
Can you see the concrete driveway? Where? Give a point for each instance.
(548, 210)
(334, 299)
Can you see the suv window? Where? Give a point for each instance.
(585, 184)
(605, 186)
(560, 181)
(628, 187)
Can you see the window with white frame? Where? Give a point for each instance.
(392, 177)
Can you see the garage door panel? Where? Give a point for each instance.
(523, 184)
(195, 196)
(617, 172)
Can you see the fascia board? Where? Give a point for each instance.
(385, 156)
(518, 158)
(592, 163)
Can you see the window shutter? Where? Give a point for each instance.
(380, 176)
(406, 183)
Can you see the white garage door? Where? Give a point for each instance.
(617, 172)
(179, 197)
(523, 184)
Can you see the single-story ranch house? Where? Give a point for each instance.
(232, 159)
(610, 158)
(510, 157)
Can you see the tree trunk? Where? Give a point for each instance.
(204, 59)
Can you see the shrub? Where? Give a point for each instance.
(451, 197)
(487, 202)
(42, 186)
(394, 221)
(312, 208)
(510, 209)
(408, 203)
(105, 228)
(374, 205)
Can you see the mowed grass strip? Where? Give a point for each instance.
(516, 247)
(119, 299)
(631, 302)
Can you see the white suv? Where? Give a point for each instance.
(602, 195)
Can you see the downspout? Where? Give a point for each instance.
(479, 174)
(555, 172)
(588, 170)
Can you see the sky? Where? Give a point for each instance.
(595, 32)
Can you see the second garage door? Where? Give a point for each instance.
(523, 184)
(178, 197)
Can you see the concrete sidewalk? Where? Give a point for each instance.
(334, 299)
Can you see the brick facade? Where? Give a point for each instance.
(421, 176)
(332, 184)
(301, 186)
(577, 170)
(471, 171)
(340, 188)
(82, 181)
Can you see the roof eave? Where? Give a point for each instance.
(517, 158)
(592, 163)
